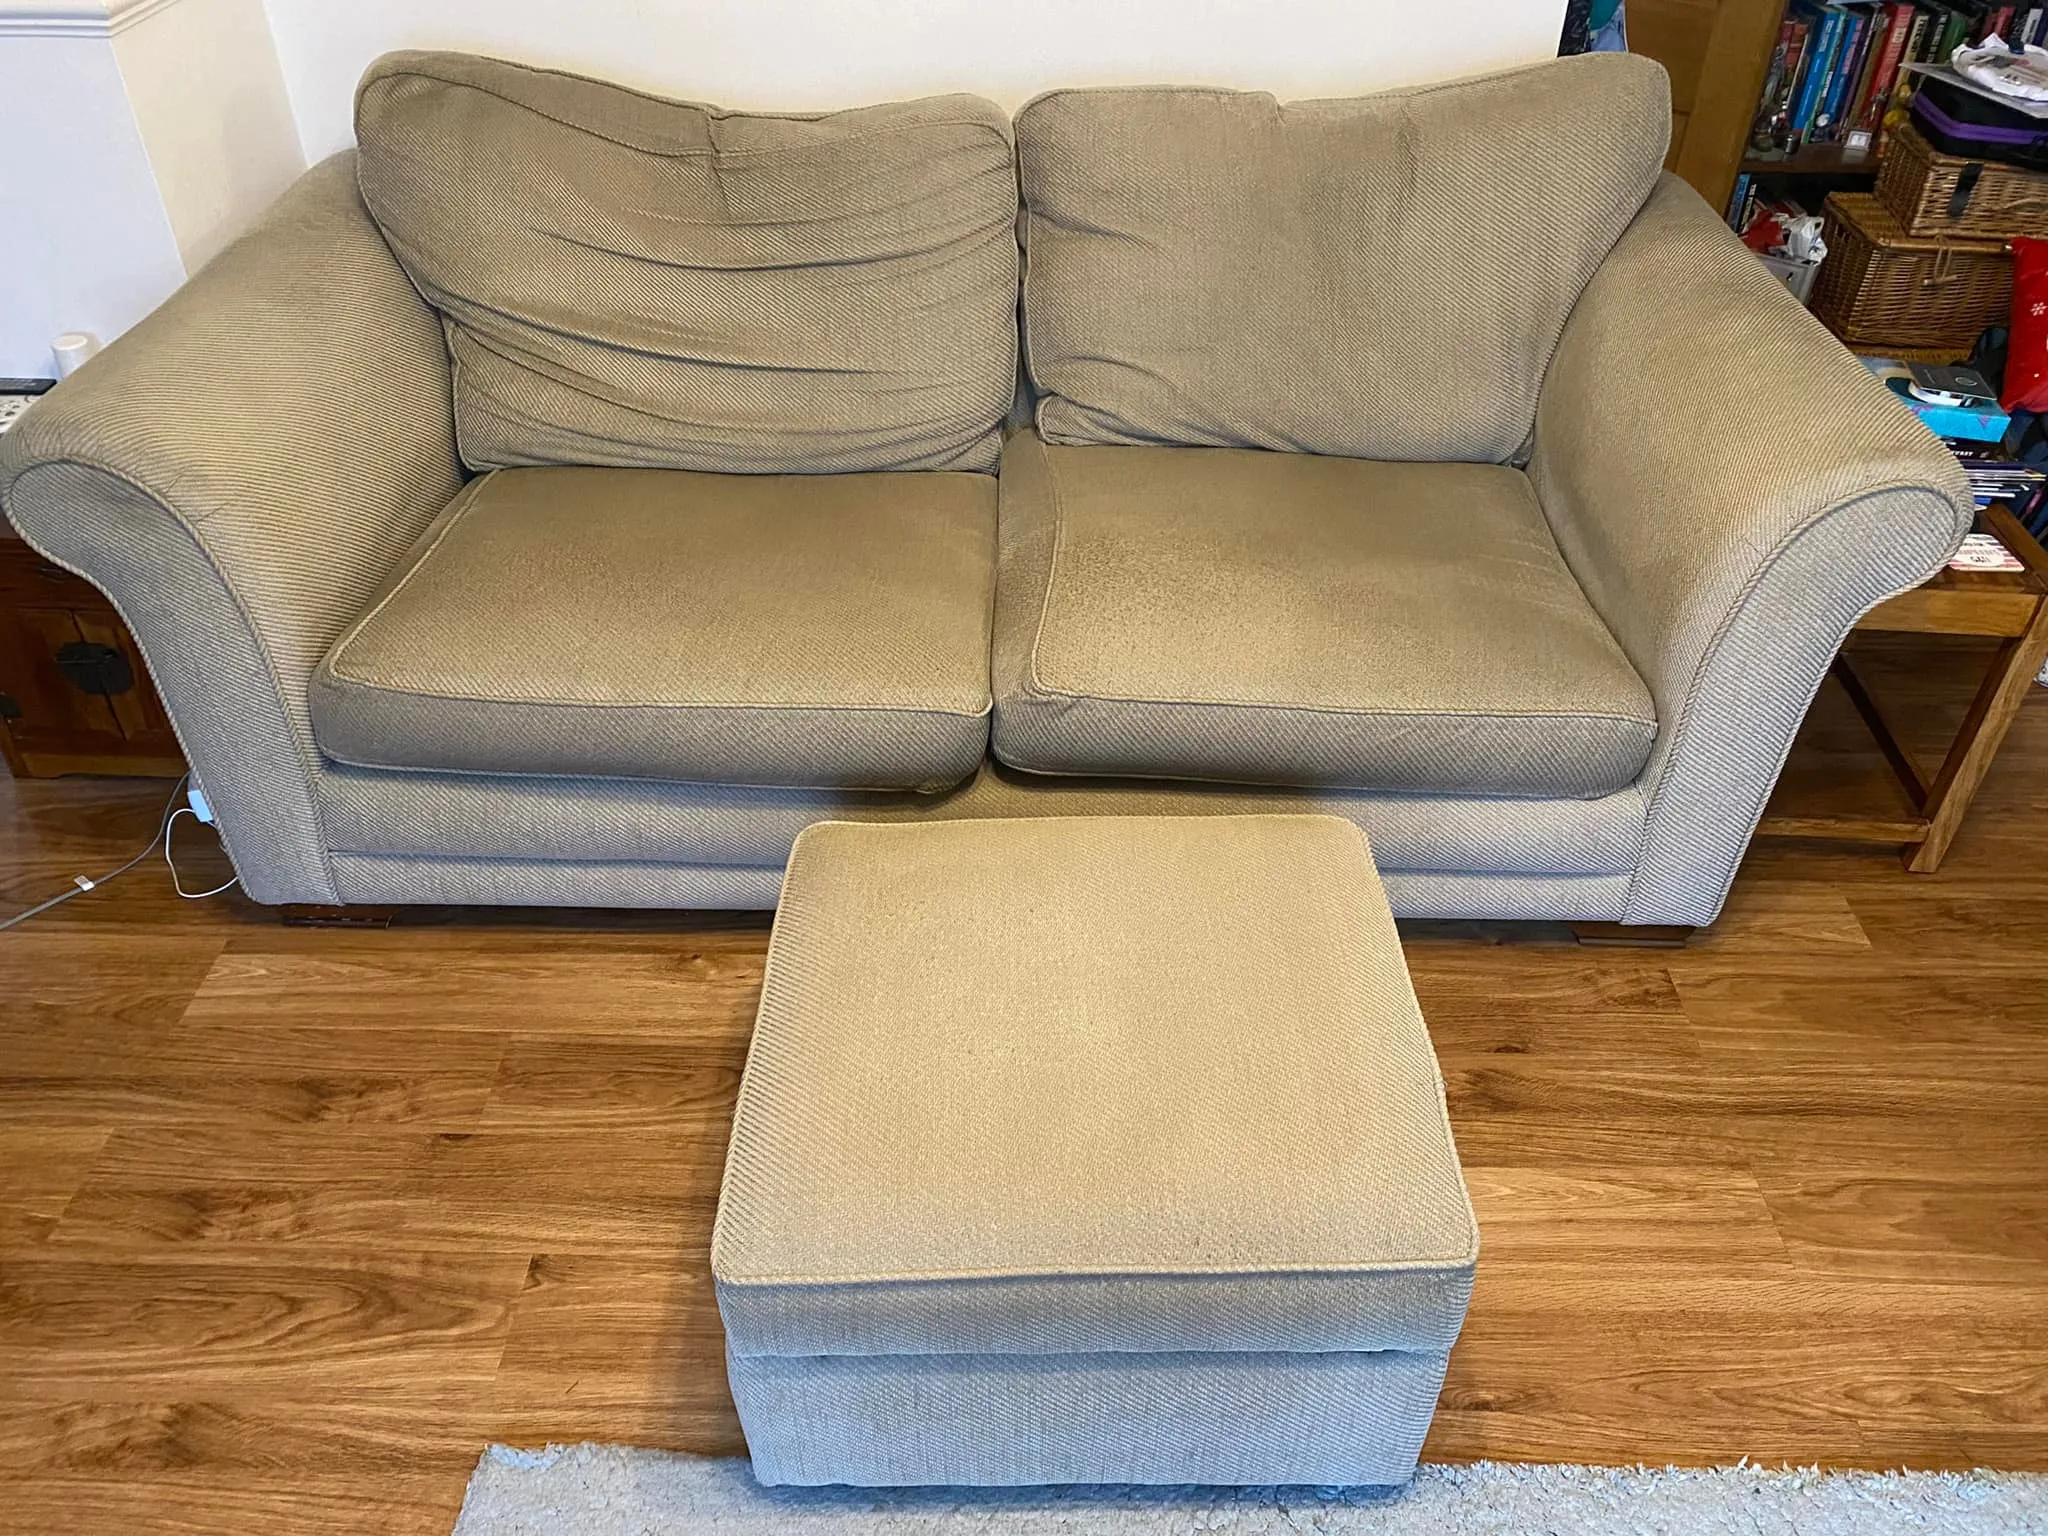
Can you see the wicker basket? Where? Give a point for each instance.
(1931, 193)
(1883, 287)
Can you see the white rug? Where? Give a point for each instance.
(600, 1490)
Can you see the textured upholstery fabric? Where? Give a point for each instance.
(1030, 1085)
(1225, 614)
(1330, 1419)
(1381, 277)
(634, 281)
(368, 877)
(238, 473)
(740, 629)
(437, 815)
(1729, 536)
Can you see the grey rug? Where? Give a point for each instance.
(599, 1490)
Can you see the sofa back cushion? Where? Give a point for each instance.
(627, 280)
(1382, 277)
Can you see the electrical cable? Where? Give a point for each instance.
(80, 885)
(172, 864)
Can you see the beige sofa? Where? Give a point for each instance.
(572, 494)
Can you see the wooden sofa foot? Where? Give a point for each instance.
(297, 915)
(1632, 935)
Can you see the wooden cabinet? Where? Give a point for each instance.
(74, 694)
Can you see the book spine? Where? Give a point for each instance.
(1826, 122)
(1736, 201)
(1883, 74)
(1811, 87)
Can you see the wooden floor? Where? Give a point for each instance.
(292, 1223)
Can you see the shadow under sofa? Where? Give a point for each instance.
(1543, 626)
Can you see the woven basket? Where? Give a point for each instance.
(1931, 193)
(1883, 287)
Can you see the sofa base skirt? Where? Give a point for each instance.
(382, 879)
(1335, 1419)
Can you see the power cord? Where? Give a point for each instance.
(171, 812)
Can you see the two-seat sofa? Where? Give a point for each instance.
(571, 494)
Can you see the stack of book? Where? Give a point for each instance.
(1836, 75)
(1983, 441)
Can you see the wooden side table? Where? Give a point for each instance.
(75, 696)
(2010, 606)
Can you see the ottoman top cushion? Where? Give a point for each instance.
(1117, 1083)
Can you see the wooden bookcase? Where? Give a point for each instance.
(1717, 53)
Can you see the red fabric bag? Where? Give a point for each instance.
(2026, 354)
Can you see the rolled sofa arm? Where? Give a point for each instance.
(237, 474)
(1733, 490)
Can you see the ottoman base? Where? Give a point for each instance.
(1337, 1419)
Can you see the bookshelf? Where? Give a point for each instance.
(1717, 53)
(1719, 56)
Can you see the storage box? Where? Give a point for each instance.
(1931, 193)
(1882, 286)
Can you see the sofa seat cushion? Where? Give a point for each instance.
(1272, 618)
(633, 281)
(827, 631)
(1383, 277)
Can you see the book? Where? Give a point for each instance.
(1827, 121)
(1983, 552)
(1822, 47)
(1919, 39)
(1770, 133)
(1950, 421)
(1848, 74)
(1738, 202)
(1884, 69)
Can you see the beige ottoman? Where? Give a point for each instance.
(1095, 1150)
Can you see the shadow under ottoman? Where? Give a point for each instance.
(1092, 1150)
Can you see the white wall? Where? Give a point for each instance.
(85, 244)
(817, 54)
(137, 137)
(204, 84)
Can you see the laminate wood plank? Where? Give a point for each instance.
(610, 1346)
(1777, 916)
(165, 1186)
(1908, 1225)
(354, 1098)
(254, 1323)
(1636, 1216)
(681, 991)
(42, 1506)
(40, 1170)
(308, 1445)
(75, 1004)
(620, 1086)
(537, 1191)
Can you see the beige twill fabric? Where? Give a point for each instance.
(1266, 618)
(1329, 1419)
(1124, 1083)
(829, 631)
(634, 281)
(1729, 535)
(1382, 277)
(238, 473)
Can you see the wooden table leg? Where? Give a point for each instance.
(1991, 715)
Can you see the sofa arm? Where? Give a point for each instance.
(1733, 490)
(237, 474)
